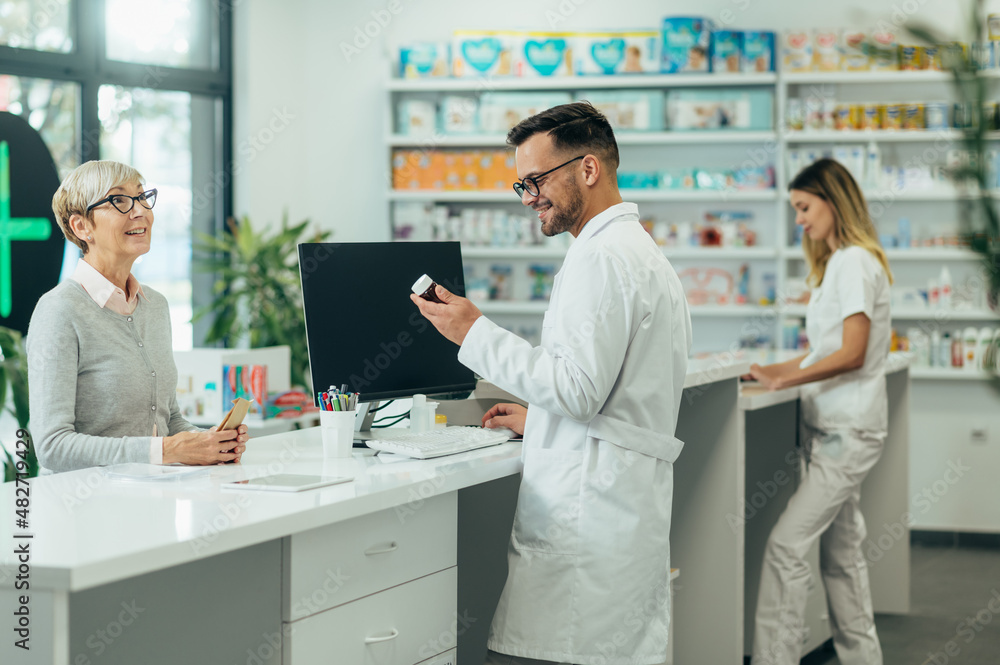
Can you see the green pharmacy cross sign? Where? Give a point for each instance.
(22, 228)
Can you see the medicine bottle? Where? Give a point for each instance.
(425, 287)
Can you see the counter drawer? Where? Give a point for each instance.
(335, 564)
(408, 624)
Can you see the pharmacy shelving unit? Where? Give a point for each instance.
(926, 206)
(774, 217)
(735, 144)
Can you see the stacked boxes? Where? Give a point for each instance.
(453, 170)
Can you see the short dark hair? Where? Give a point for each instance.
(572, 127)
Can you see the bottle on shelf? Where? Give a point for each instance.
(873, 166)
(957, 355)
(944, 288)
(970, 344)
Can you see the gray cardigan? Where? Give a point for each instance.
(98, 381)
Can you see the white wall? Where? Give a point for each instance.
(329, 162)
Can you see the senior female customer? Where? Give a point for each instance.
(101, 373)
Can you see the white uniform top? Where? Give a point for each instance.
(589, 554)
(854, 282)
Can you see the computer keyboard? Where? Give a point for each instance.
(437, 442)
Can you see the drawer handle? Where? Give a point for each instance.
(382, 638)
(384, 549)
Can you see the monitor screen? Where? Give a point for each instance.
(363, 330)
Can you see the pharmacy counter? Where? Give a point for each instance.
(181, 570)
(400, 565)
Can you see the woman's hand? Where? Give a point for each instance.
(767, 376)
(506, 415)
(211, 447)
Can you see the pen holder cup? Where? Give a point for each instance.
(337, 428)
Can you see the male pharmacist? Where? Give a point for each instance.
(589, 555)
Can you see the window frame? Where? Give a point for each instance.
(88, 66)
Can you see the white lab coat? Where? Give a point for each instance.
(589, 555)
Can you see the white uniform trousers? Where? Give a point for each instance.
(825, 506)
(496, 658)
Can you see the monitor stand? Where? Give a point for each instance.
(363, 424)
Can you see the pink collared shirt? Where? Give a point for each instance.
(108, 296)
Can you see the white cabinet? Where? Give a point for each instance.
(379, 589)
(404, 625)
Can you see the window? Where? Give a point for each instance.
(148, 84)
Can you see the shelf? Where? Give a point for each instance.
(949, 374)
(485, 252)
(879, 136)
(897, 76)
(702, 253)
(635, 195)
(543, 252)
(512, 307)
(732, 311)
(940, 315)
(915, 254)
(945, 315)
(888, 194)
(622, 82)
(933, 254)
(623, 138)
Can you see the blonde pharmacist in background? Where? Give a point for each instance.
(845, 411)
(101, 375)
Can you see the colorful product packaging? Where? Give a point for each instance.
(638, 180)
(629, 110)
(913, 116)
(911, 57)
(616, 52)
(854, 55)
(542, 54)
(248, 382)
(932, 57)
(481, 53)
(758, 51)
(886, 51)
(872, 118)
(842, 119)
(892, 117)
(499, 111)
(727, 50)
(686, 44)
(720, 109)
(826, 50)
(416, 117)
(796, 51)
(459, 115)
(424, 60)
(542, 277)
(936, 115)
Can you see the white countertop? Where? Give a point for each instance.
(91, 529)
(753, 396)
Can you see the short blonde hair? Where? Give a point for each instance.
(86, 185)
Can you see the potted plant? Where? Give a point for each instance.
(14, 382)
(257, 296)
(971, 85)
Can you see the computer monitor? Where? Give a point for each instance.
(361, 327)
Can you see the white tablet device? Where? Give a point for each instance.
(286, 482)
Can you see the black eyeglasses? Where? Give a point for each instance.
(124, 203)
(530, 184)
